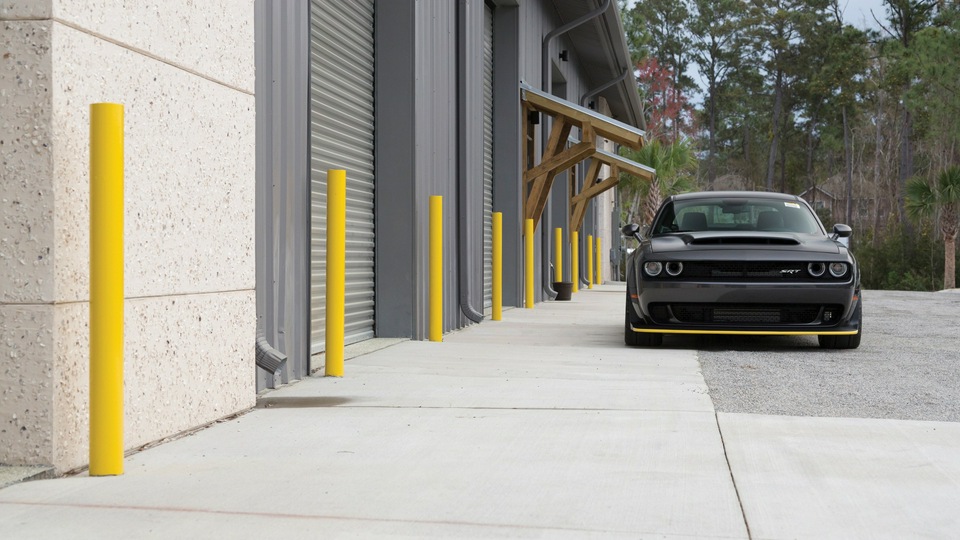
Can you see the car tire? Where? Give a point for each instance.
(637, 339)
(845, 342)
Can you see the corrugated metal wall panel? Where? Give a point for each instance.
(282, 186)
(487, 158)
(436, 148)
(342, 127)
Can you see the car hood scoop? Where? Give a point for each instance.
(711, 240)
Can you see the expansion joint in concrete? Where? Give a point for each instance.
(733, 478)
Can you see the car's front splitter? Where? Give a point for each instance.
(657, 330)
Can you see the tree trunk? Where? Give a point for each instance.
(783, 165)
(653, 202)
(810, 180)
(877, 155)
(906, 168)
(777, 106)
(950, 262)
(746, 145)
(636, 209)
(848, 165)
(676, 98)
(712, 163)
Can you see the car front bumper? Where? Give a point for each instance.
(745, 308)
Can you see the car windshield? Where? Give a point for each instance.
(736, 214)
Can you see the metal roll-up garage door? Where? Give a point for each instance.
(341, 137)
(487, 159)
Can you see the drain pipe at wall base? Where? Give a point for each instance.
(463, 253)
(463, 256)
(583, 103)
(268, 358)
(546, 85)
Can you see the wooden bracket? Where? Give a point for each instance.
(556, 159)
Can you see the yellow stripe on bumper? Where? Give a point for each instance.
(743, 332)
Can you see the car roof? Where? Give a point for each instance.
(735, 194)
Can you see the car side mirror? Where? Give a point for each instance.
(841, 231)
(632, 230)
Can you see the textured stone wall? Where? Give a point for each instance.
(184, 72)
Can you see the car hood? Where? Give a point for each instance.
(713, 240)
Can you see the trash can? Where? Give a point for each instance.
(564, 289)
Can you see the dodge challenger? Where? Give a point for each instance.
(741, 263)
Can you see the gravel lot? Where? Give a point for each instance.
(907, 366)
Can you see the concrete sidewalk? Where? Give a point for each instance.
(540, 426)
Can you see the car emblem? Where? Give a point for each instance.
(790, 271)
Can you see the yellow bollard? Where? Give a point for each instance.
(106, 289)
(599, 263)
(558, 253)
(336, 271)
(574, 263)
(497, 266)
(589, 261)
(436, 268)
(528, 262)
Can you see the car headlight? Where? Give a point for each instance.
(838, 269)
(652, 269)
(674, 268)
(816, 269)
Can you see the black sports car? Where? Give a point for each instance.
(741, 263)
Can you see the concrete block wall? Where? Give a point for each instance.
(184, 72)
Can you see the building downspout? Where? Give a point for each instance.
(268, 358)
(604, 86)
(463, 229)
(546, 84)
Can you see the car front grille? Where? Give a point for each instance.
(746, 271)
(745, 314)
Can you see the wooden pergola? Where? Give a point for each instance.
(558, 156)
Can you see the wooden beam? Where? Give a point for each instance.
(626, 165)
(578, 209)
(556, 159)
(560, 161)
(598, 188)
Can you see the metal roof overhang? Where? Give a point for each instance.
(601, 48)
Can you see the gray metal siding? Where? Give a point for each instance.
(282, 206)
(435, 114)
(507, 147)
(487, 76)
(398, 265)
(342, 137)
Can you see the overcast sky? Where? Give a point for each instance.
(857, 12)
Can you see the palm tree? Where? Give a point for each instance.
(676, 166)
(943, 201)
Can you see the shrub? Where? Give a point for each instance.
(899, 262)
